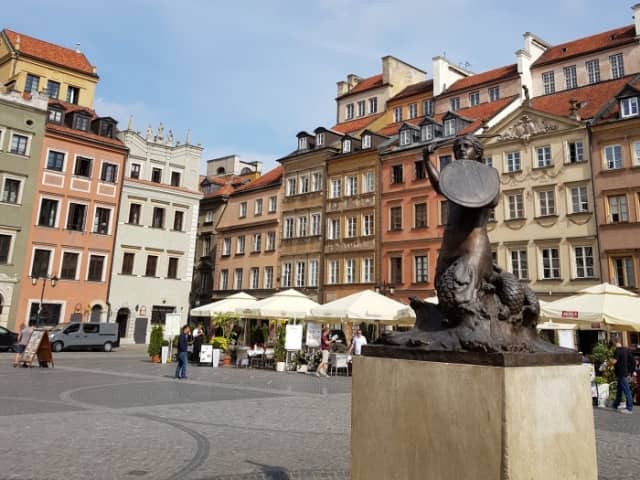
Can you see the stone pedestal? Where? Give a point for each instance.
(431, 420)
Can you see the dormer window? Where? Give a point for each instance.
(427, 133)
(450, 127)
(629, 107)
(346, 146)
(428, 108)
(81, 122)
(366, 141)
(55, 115)
(106, 129)
(405, 137)
(320, 139)
(302, 143)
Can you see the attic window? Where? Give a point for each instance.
(427, 132)
(450, 127)
(302, 143)
(320, 139)
(106, 129)
(81, 122)
(405, 137)
(346, 146)
(366, 141)
(55, 115)
(629, 107)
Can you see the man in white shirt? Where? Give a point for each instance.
(357, 342)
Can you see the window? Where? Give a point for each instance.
(395, 218)
(69, 268)
(618, 208)
(254, 278)
(175, 179)
(421, 269)
(450, 127)
(302, 143)
(550, 263)
(240, 245)
(361, 108)
(55, 161)
(49, 314)
(11, 190)
(352, 228)
(454, 104)
(243, 210)
(579, 200)
(494, 93)
(257, 242)
(366, 141)
(335, 188)
(109, 172)
(351, 186)
(152, 263)
(19, 144)
(549, 83)
(315, 224)
(5, 250)
(291, 186)
(257, 210)
(413, 110)
(48, 212)
(575, 151)
(302, 227)
(73, 94)
(349, 270)
(474, 98)
(300, 274)
(636, 153)
(427, 107)
(271, 241)
(405, 137)
(80, 122)
(157, 220)
(613, 157)
(593, 71)
(444, 212)
(127, 263)
(427, 133)
(334, 272)
(617, 66)
(444, 161)
(629, 107)
(82, 167)
(543, 155)
(135, 170)
(178, 217)
(76, 217)
(172, 269)
(313, 273)
(420, 215)
(368, 182)
(349, 111)
(101, 220)
(346, 146)
(623, 272)
(570, 77)
(320, 139)
(53, 89)
(134, 213)
(519, 266)
(286, 275)
(224, 279)
(420, 170)
(206, 245)
(396, 174)
(226, 247)
(32, 83)
(273, 203)
(238, 279)
(268, 277)
(513, 162)
(397, 114)
(373, 104)
(366, 272)
(96, 267)
(208, 217)
(367, 225)
(40, 266)
(288, 228)
(316, 181)
(156, 175)
(55, 115)
(547, 202)
(396, 270)
(584, 262)
(488, 161)
(334, 229)
(516, 206)
(304, 184)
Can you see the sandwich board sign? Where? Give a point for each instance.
(39, 346)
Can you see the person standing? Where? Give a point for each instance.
(23, 340)
(622, 367)
(183, 347)
(357, 342)
(325, 346)
(198, 336)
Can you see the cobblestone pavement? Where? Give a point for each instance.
(117, 416)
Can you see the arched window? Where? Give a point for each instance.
(96, 312)
(221, 171)
(245, 171)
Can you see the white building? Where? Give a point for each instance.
(155, 241)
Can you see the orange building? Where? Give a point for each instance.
(69, 247)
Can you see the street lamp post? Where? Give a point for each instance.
(385, 288)
(34, 282)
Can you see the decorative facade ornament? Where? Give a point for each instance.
(160, 134)
(170, 138)
(149, 135)
(526, 128)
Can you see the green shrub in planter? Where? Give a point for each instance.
(279, 352)
(155, 341)
(220, 342)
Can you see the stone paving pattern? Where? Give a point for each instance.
(117, 416)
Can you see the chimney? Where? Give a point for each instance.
(78, 48)
(445, 73)
(636, 18)
(352, 80)
(343, 88)
(17, 46)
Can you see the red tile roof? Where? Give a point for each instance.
(393, 128)
(483, 112)
(49, 52)
(591, 98)
(61, 129)
(367, 84)
(355, 125)
(269, 178)
(590, 44)
(221, 192)
(490, 76)
(414, 89)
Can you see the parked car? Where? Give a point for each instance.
(84, 336)
(8, 340)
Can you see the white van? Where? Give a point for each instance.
(84, 336)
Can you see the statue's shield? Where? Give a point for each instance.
(469, 183)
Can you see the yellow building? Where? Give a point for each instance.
(28, 64)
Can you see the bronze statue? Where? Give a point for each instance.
(480, 306)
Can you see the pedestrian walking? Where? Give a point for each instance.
(623, 364)
(325, 345)
(23, 340)
(357, 342)
(183, 352)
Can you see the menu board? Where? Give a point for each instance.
(314, 334)
(293, 337)
(38, 346)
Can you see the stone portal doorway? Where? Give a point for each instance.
(140, 330)
(96, 314)
(122, 319)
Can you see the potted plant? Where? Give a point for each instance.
(301, 361)
(222, 324)
(279, 352)
(155, 343)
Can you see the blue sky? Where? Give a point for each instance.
(246, 75)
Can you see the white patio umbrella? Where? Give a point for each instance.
(365, 306)
(286, 304)
(227, 305)
(604, 303)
